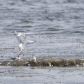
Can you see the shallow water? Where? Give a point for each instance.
(41, 75)
(58, 29)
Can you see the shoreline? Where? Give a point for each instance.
(59, 62)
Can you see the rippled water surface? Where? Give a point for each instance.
(57, 26)
(41, 75)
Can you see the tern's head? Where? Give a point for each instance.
(18, 36)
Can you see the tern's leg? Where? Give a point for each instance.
(20, 53)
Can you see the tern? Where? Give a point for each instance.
(22, 44)
(15, 58)
(33, 58)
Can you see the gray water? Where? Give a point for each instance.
(41, 75)
(57, 26)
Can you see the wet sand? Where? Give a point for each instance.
(45, 62)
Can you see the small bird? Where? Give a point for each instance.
(33, 58)
(15, 58)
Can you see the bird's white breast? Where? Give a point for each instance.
(20, 45)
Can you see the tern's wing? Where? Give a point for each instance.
(28, 33)
(28, 42)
